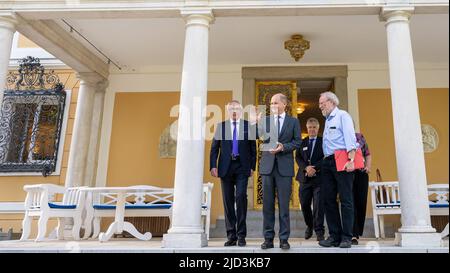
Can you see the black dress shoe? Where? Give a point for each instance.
(242, 242)
(230, 243)
(320, 237)
(329, 242)
(308, 233)
(345, 244)
(355, 242)
(267, 244)
(284, 244)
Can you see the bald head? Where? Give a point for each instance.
(278, 104)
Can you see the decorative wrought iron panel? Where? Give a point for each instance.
(264, 92)
(31, 119)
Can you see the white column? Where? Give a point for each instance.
(7, 29)
(81, 135)
(416, 227)
(94, 142)
(186, 230)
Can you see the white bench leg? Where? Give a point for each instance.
(207, 224)
(87, 226)
(42, 228)
(444, 233)
(96, 225)
(60, 228)
(76, 227)
(376, 225)
(26, 227)
(383, 235)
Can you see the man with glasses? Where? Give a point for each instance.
(339, 134)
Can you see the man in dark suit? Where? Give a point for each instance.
(309, 159)
(237, 162)
(281, 136)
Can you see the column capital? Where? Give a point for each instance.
(396, 14)
(196, 16)
(91, 78)
(8, 20)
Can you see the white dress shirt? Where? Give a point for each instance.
(282, 117)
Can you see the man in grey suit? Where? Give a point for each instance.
(281, 136)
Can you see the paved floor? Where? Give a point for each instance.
(214, 246)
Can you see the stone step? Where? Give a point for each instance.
(298, 226)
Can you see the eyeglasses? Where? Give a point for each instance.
(235, 109)
(323, 102)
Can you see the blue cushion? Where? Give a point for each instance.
(59, 206)
(438, 205)
(398, 202)
(148, 206)
(388, 206)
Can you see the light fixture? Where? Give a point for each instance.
(296, 46)
(301, 107)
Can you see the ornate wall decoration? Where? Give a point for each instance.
(168, 141)
(264, 92)
(430, 138)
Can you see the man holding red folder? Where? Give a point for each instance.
(338, 136)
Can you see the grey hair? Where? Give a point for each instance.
(283, 98)
(331, 96)
(313, 120)
(233, 101)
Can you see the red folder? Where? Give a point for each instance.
(341, 157)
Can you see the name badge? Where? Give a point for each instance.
(305, 148)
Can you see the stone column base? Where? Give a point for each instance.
(409, 239)
(184, 240)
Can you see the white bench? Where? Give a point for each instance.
(386, 201)
(147, 201)
(39, 202)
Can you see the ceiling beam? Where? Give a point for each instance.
(60, 43)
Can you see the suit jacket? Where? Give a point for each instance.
(301, 157)
(222, 147)
(289, 137)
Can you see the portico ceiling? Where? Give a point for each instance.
(137, 43)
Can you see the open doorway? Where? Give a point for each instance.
(308, 92)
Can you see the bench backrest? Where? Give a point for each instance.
(147, 196)
(385, 194)
(39, 195)
(438, 195)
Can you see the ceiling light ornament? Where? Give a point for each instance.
(296, 46)
(301, 107)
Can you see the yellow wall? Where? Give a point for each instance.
(24, 42)
(138, 121)
(11, 187)
(375, 115)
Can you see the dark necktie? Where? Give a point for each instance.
(310, 147)
(278, 126)
(235, 151)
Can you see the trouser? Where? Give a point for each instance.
(334, 183)
(282, 185)
(310, 193)
(360, 191)
(234, 191)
